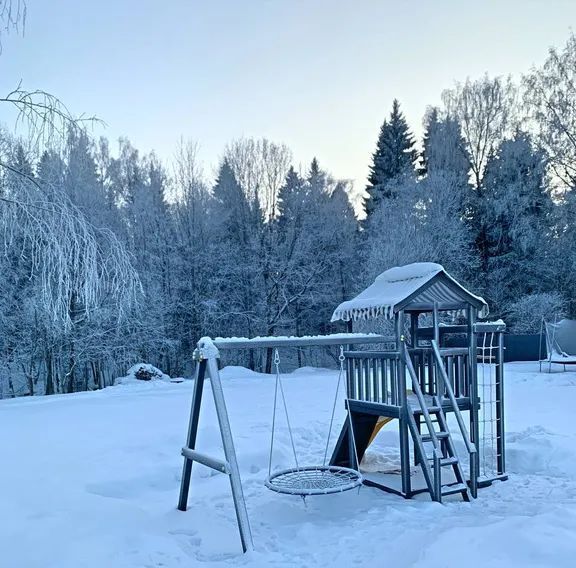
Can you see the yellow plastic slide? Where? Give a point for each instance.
(382, 421)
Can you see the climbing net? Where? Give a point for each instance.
(488, 363)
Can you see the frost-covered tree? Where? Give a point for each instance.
(260, 166)
(423, 224)
(516, 211)
(484, 109)
(444, 148)
(550, 97)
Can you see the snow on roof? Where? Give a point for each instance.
(417, 283)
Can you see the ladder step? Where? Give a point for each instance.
(439, 435)
(446, 461)
(453, 489)
(431, 410)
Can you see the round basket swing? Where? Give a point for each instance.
(306, 480)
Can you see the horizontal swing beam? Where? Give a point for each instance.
(313, 341)
(213, 463)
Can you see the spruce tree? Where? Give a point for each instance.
(443, 148)
(230, 205)
(291, 197)
(394, 157)
(513, 215)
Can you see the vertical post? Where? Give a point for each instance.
(192, 430)
(353, 462)
(473, 392)
(403, 421)
(500, 428)
(436, 330)
(414, 328)
(436, 324)
(540, 344)
(418, 420)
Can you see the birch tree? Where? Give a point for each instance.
(550, 97)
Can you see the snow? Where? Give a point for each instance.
(391, 288)
(410, 271)
(207, 349)
(91, 480)
(300, 340)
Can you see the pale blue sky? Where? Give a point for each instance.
(319, 76)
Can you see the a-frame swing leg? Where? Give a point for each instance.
(192, 433)
(206, 354)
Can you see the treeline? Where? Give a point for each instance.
(110, 258)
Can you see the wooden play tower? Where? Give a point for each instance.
(424, 382)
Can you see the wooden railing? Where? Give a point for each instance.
(455, 362)
(373, 376)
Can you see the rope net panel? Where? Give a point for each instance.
(487, 369)
(314, 480)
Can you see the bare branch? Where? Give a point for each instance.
(43, 115)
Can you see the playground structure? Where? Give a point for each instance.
(418, 380)
(441, 381)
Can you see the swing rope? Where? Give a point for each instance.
(341, 359)
(277, 364)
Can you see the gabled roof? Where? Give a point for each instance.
(414, 286)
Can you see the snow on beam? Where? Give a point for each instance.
(305, 341)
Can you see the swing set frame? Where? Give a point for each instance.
(206, 358)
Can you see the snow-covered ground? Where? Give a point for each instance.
(91, 481)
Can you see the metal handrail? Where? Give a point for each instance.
(417, 390)
(436, 488)
(470, 446)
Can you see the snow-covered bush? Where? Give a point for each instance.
(525, 314)
(142, 372)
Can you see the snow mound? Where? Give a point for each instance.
(238, 372)
(539, 451)
(142, 372)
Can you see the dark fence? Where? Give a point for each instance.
(524, 347)
(516, 347)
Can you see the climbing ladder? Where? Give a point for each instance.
(434, 448)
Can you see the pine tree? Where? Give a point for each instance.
(394, 157)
